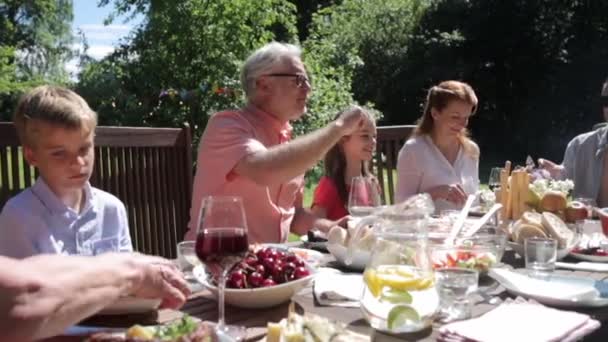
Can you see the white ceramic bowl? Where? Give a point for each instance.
(360, 258)
(262, 297)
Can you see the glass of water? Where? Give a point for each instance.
(186, 258)
(455, 286)
(540, 255)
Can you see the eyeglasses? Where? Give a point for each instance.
(301, 80)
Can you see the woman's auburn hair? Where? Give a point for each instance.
(438, 97)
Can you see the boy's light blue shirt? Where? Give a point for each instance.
(37, 222)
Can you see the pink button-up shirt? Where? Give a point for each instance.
(228, 137)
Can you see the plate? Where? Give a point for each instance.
(542, 290)
(360, 258)
(128, 305)
(262, 297)
(587, 257)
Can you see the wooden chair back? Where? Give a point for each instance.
(389, 141)
(148, 169)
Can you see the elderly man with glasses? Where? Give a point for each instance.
(249, 152)
(585, 160)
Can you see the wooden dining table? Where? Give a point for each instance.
(202, 305)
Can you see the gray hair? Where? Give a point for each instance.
(605, 88)
(262, 60)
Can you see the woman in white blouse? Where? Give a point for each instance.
(439, 158)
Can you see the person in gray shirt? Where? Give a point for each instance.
(585, 162)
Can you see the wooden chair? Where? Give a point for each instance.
(389, 141)
(149, 169)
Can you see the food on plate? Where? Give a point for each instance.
(550, 225)
(553, 201)
(533, 218)
(337, 235)
(309, 328)
(363, 240)
(576, 211)
(185, 329)
(266, 266)
(595, 251)
(478, 260)
(557, 229)
(526, 231)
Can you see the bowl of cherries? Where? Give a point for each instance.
(267, 276)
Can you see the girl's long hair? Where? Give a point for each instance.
(335, 165)
(438, 97)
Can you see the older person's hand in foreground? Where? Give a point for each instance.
(161, 279)
(43, 295)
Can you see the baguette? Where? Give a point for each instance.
(557, 229)
(525, 231)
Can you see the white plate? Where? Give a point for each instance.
(587, 257)
(262, 297)
(127, 305)
(360, 258)
(519, 249)
(594, 301)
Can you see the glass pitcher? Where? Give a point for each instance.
(399, 294)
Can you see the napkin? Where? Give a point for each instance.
(584, 266)
(521, 321)
(552, 288)
(334, 288)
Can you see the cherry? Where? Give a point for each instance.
(268, 282)
(256, 279)
(237, 279)
(260, 269)
(301, 272)
(278, 275)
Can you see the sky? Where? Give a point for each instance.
(102, 39)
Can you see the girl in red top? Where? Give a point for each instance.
(347, 159)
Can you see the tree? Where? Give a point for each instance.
(35, 39)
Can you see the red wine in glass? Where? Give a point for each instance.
(221, 246)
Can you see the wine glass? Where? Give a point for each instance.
(364, 196)
(221, 242)
(494, 180)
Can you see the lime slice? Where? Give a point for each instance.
(400, 315)
(396, 297)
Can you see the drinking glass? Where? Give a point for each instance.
(540, 255)
(589, 204)
(494, 180)
(221, 242)
(454, 286)
(186, 258)
(364, 196)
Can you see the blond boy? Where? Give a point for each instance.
(61, 213)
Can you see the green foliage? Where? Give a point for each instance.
(35, 39)
(182, 64)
